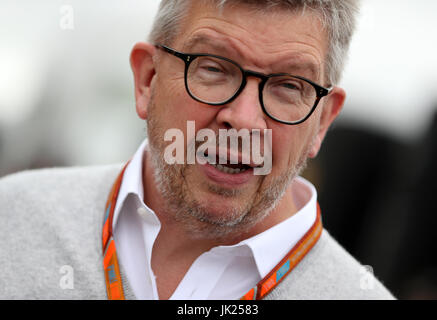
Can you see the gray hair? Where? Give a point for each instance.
(337, 16)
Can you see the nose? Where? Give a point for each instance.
(245, 111)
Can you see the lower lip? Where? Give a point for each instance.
(226, 179)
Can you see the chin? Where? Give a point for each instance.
(217, 208)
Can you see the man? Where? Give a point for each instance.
(211, 228)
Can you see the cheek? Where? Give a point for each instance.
(170, 103)
(176, 107)
(290, 143)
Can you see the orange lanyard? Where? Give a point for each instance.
(114, 286)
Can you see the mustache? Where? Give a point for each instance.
(234, 147)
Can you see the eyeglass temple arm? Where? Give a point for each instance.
(323, 92)
(181, 55)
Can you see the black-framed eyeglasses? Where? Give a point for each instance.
(216, 81)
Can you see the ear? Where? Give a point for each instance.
(142, 64)
(331, 109)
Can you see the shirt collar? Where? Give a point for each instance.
(271, 246)
(132, 182)
(267, 248)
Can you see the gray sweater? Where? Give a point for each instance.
(50, 244)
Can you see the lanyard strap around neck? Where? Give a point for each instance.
(114, 286)
(288, 263)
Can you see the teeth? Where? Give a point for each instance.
(220, 167)
(227, 169)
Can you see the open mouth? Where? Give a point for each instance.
(224, 165)
(232, 168)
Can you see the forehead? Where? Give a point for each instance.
(259, 38)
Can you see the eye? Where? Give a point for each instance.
(211, 66)
(209, 70)
(290, 85)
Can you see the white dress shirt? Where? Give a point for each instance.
(224, 272)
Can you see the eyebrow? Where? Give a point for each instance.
(308, 68)
(201, 39)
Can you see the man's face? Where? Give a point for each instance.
(210, 202)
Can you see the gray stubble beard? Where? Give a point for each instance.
(191, 214)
